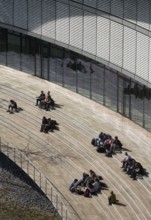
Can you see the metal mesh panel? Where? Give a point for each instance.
(143, 14)
(79, 1)
(62, 23)
(34, 16)
(89, 32)
(117, 8)
(20, 13)
(6, 11)
(104, 5)
(116, 43)
(48, 18)
(142, 56)
(90, 3)
(103, 28)
(76, 27)
(129, 49)
(130, 10)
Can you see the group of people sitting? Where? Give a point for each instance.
(106, 144)
(12, 107)
(48, 125)
(88, 185)
(45, 101)
(131, 166)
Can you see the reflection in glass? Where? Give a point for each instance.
(3, 44)
(70, 73)
(110, 89)
(13, 53)
(97, 82)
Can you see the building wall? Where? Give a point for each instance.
(113, 32)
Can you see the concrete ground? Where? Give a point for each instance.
(65, 154)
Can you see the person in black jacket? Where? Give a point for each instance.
(44, 124)
(117, 145)
(40, 98)
(12, 106)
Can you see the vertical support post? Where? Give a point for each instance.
(21, 161)
(57, 201)
(66, 215)
(0, 144)
(61, 209)
(34, 174)
(27, 166)
(51, 193)
(14, 155)
(46, 187)
(7, 148)
(40, 180)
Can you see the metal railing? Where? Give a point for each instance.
(61, 205)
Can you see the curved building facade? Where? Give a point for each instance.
(99, 49)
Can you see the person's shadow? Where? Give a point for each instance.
(119, 203)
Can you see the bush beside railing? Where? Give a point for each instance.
(64, 209)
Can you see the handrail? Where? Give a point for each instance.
(65, 210)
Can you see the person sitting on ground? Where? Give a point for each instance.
(40, 98)
(108, 142)
(96, 186)
(48, 126)
(92, 174)
(71, 187)
(112, 198)
(138, 169)
(82, 181)
(117, 145)
(126, 159)
(47, 101)
(12, 106)
(44, 124)
(109, 152)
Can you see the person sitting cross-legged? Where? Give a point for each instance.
(12, 106)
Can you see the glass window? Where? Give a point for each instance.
(124, 96)
(147, 108)
(3, 45)
(97, 82)
(14, 48)
(45, 60)
(110, 89)
(69, 70)
(27, 58)
(56, 65)
(137, 103)
(82, 65)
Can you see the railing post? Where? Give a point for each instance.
(66, 214)
(61, 209)
(51, 193)
(27, 166)
(0, 144)
(34, 174)
(7, 149)
(57, 201)
(14, 155)
(40, 180)
(21, 160)
(46, 187)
